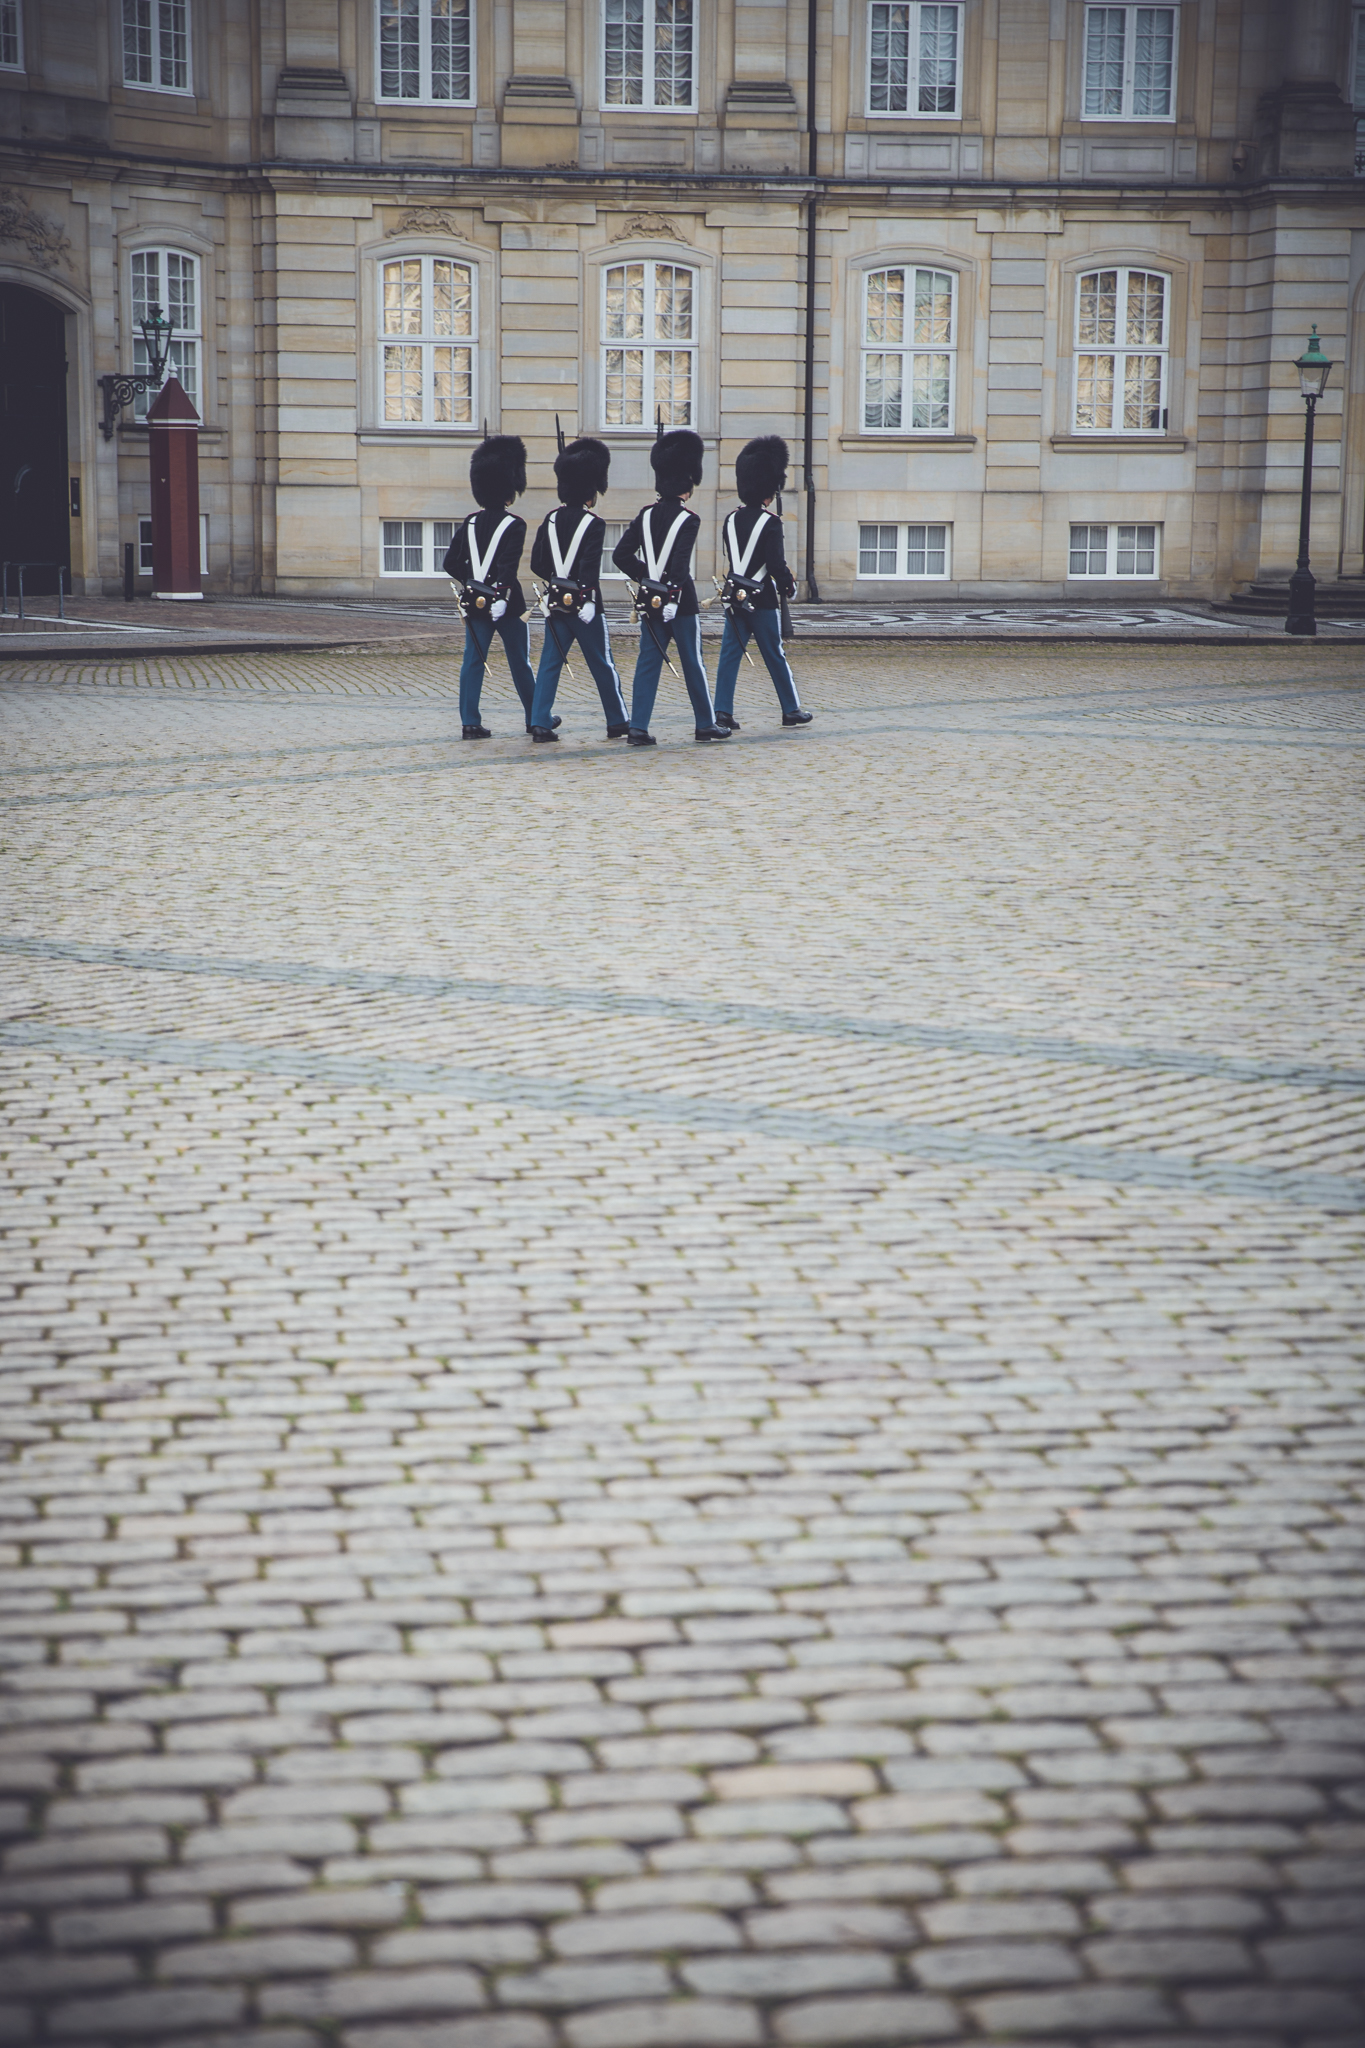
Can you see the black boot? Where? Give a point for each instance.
(617, 732)
(640, 739)
(712, 732)
(475, 732)
(730, 724)
(543, 734)
(797, 717)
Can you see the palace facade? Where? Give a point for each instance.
(1021, 281)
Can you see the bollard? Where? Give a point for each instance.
(129, 587)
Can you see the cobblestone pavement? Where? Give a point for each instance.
(697, 1398)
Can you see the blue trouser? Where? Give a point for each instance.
(478, 641)
(766, 628)
(595, 641)
(654, 637)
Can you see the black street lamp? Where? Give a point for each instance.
(157, 329)
(1313, 368)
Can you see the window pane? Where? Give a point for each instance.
(137, 42)
(672, 303)
(400, 50)
(393, 545)
(1146, 323)
(1094, 391)
(914, 550)
(1358, 74)
(882, 390)
(452, 386)
(442, 533)
(931, 404)
(1142, 393)
(412, 546)
(403, 296)
(624, 53)
(626, 302)
(673, 386)
(1089, 550)
(402, 384)
(450, 49)
(144, 547)
(938, 60)
(1104, 33)
(182, 361)
(9, 32)
(877, 550)
(625, 387)
(181, 303)
(889, 77)
(885, 308)
(935, 550)
(146, 283)
(1153, 59)
(173, 45)
(452, 297)
(1097, 309)
(672, 53)
(933, 307)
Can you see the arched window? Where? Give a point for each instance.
(649, 344)
(168, 278)
(428, 355)
(909, 350)
(1122, 351)
(426, 51)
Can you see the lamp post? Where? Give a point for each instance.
(1313, 368)
(157, 329)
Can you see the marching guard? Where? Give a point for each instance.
(567, 552)
(656, 550)
(756, 581)
(483, 558)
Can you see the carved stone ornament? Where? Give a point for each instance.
(653, 227)
(424, 220)
(43, 239)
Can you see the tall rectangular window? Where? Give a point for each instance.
(1122, 350)
(11, 36)
(909, 344)
(427, 352)
(1130, 55)
(168, 278)
(903, 551)
(156, 44)
(1114, 551)
(426, 51)
(648, 54)
(1358, 84)
(914, 54)
(649, 345)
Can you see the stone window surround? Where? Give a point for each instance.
(1068, 273)
(193, 42)
(961, 431)
(488, 368)
(591, 396)
(179, 241)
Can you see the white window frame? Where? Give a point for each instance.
(161, 18)
(11, 35)
(611, 539)
(425, 96)
(880, 19)
(144, 544)
(184, 344)
(907, 350)
(435, 538)
(907, 548)
(1122, 351)
(613, 12)
(1125, 110)
(1115, 546)
(650, 346)
(427, 342)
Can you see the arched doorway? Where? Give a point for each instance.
(34, 512)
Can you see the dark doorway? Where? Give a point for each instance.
(34, 516)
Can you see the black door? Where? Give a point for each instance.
(33, 482)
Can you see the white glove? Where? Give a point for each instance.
(670, 613)
(497, 608)
(587, 613)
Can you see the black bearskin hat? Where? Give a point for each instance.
(497, 470)
(581, 470)
(761, 468)
(676, 458)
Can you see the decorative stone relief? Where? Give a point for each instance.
(43, 239)
(424, 220)
(654, 227)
